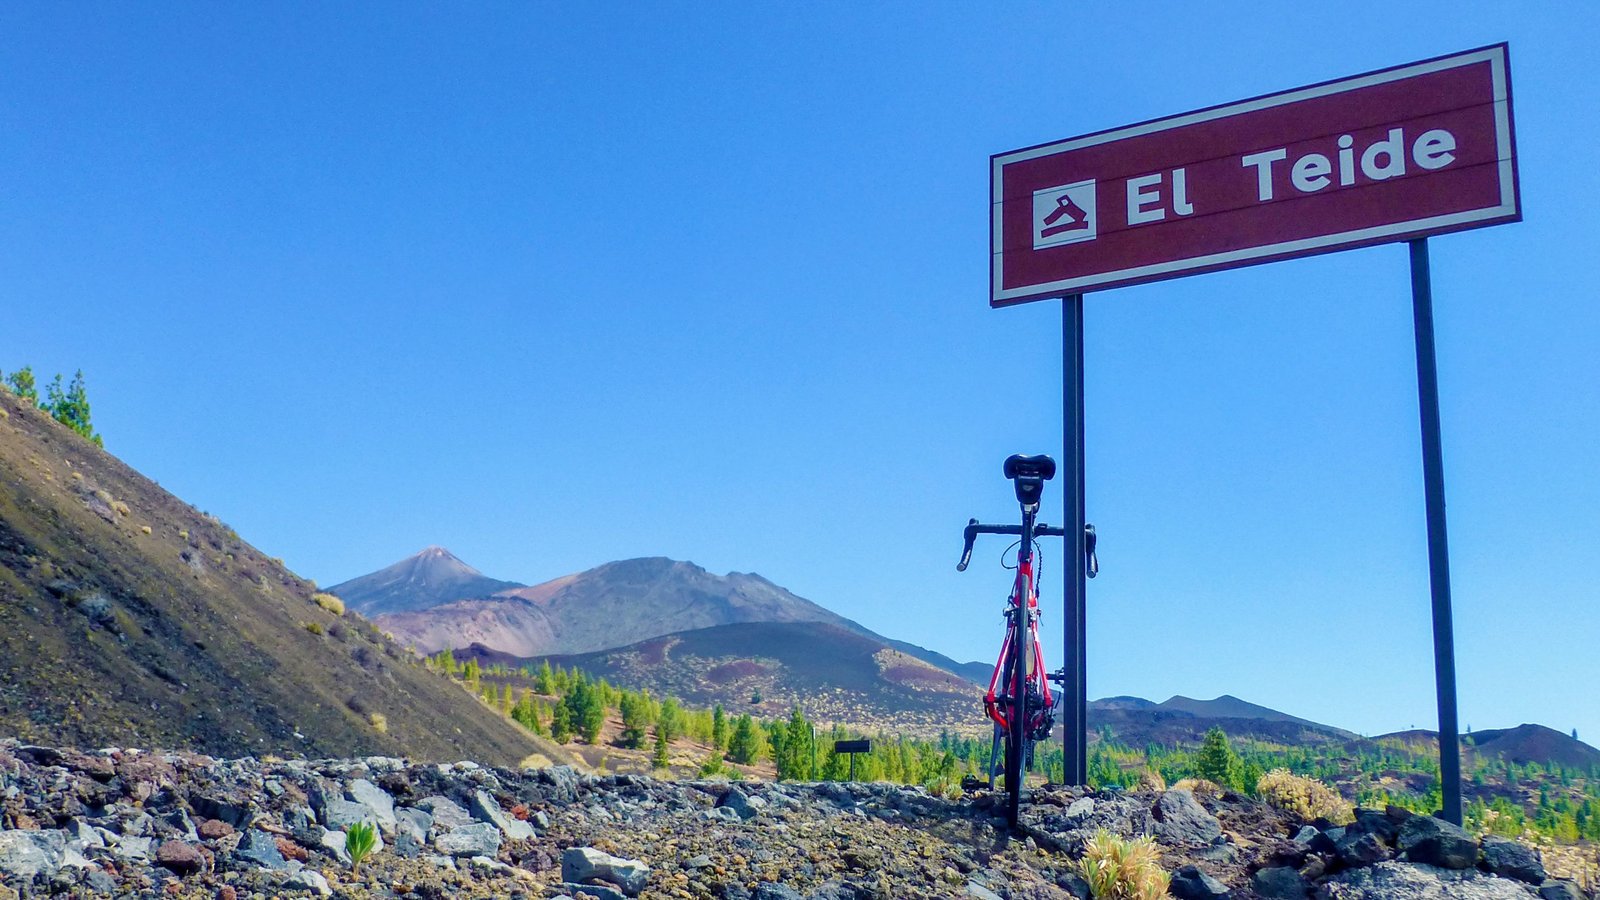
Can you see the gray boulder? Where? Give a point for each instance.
(487, 809)
(1361, 848)
(771, 890)
(563, 782)
(261, 849)
(476, 839)
(309, 880)
(1280, 883)
(739, 802)
(414, 822)
(1189, 883)
(333, 842)
(1435, 842)
(1181, 820)
(1393, 880)
(376, 800)
(340, 814)
(1512, 860)
(583, 865)
(1560, 890)
(25, 854)
(447, 813)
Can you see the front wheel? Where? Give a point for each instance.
(1017, 743)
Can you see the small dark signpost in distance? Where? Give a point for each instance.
(852, 748)
(1394, 155)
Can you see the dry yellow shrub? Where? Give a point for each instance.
(1198, 786)
(380, 723)
(1120, 869)
(1305, 797)
(144, 529)
(329, 602)
(1151, 780)
(120, 507)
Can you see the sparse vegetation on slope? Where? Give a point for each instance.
(129, 617)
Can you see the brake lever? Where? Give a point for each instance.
(968, 535)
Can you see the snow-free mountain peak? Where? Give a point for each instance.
(428, 578)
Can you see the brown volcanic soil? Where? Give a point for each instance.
(127, 617)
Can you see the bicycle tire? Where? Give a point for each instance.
(997, 758)
(1017, 722)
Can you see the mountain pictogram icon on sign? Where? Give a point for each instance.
(1064, 214)
(1076, 218)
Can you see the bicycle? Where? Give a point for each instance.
(1019, 701)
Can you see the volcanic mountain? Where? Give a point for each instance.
(835, 673)
(1183, 720)
(429, 578)
(614, 605)
(128, 618)
(1522, 745)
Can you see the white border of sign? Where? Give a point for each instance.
(1495, 56)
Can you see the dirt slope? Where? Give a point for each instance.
(127, 617)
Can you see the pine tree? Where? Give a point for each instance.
(635, 720)
(561, 725)
(795, 760)
(1216, 760)
(70, 406)
(719, 728)
(545, 682)
(659, 760)
(743, 745)
(21, 383)
(671, 720)
(588, 713)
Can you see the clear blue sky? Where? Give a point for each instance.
(553, 285)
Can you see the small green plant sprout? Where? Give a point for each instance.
(359, 840)
(1121, 869)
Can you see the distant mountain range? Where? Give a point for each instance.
(129, 618)
(434, 601)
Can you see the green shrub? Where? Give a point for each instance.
(1120, 869)
(313, 627)
(359, 840)
(1305, 797)
(329, 602)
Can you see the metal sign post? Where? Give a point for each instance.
(1444, 646)
(852, 748)
(1075, 711)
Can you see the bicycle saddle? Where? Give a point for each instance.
(1019, 466)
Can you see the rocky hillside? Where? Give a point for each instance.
(129, 617)
(429, 578)
(186, 826)
(834, 674)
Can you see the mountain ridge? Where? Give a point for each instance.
(616, 604)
